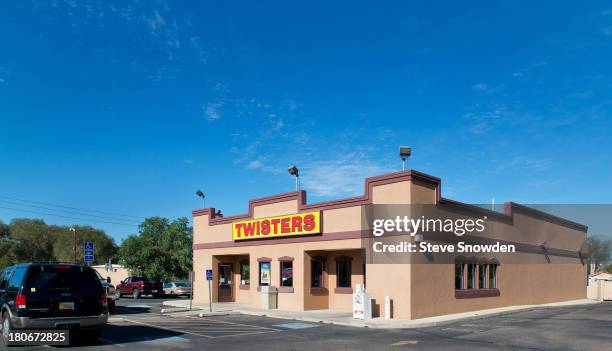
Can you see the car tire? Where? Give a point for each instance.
(135, 294)
(5, 327)
(172, 294)
(156, 296)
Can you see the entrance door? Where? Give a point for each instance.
(226, 291)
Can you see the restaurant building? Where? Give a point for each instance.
(314, 255)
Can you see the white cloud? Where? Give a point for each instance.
(544, 183)
(480, 87)
(254, 164)
(211, 110)
(156, 21)
(518, 163)
(343, 176)
(484, 122)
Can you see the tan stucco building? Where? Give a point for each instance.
(320, 267)
(115, 272)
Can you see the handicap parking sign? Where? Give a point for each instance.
(209, 274)
(89, 251)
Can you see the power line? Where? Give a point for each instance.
(68, 207)
(69, 217)
(65, 211)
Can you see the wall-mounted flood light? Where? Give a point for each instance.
(404, 152)
(294, 172)
(199, 193)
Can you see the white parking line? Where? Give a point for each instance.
(233, 323)
(210, 326)
(168, 329)
(243, 334)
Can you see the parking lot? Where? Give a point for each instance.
(139, 325)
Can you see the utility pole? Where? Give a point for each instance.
(73, 230)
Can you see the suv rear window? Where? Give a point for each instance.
(62, 278)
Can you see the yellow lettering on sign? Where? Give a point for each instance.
(273, 227)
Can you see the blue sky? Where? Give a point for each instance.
(130, 107)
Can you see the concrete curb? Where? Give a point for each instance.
(173, 309)
(212, 314)
(416, 323)
(115, 320)
(403, 324)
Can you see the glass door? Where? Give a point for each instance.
(226, 287)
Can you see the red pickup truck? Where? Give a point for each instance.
(138, 286)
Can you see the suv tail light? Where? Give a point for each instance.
(20, 301)
(104, 302)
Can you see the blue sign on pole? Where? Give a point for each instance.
(89, 251)
(209, 274)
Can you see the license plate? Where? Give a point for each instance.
(153, 291)
(66, 306)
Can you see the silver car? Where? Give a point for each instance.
(177, 289)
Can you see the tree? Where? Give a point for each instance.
(6, 255)
(162, 250)
(608, 268)
(599, 253)
(32, 240)
(104, 246)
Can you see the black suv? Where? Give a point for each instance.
(52, 296)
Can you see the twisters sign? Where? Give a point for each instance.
(274, 227)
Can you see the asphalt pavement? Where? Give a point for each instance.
(139, 325)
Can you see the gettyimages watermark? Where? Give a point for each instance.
(509, 233)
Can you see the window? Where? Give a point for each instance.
(482, 276)
(471, 275)
(16, 279)
(459, 270)
(316, 273)
(492, 276)
(343, 273)
(245, 273)
(264, 273)
(286, 273)
(475, 280)
(4, 279)
(53, 279)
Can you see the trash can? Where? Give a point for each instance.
(269, 295)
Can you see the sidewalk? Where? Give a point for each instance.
(346, 318)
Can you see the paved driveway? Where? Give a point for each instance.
(138, 325)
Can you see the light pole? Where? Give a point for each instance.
(73, 230)
(294, 172)
(404, 152)
(201, 194)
